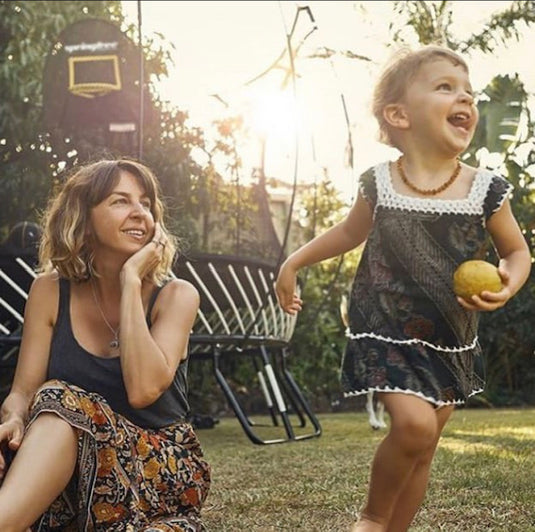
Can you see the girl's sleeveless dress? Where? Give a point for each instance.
(407, 332)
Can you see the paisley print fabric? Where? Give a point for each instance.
(407, 331)
(127, 478)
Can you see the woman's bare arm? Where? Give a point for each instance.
(39, 318)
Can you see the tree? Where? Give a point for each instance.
(431, 21)
(507, 335)
(35, 160)
(28, 160)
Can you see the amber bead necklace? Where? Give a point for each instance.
(430, 191)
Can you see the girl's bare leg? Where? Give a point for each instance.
(42, 468)
(413, 432)
(413, 493)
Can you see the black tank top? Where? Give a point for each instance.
(70, 362)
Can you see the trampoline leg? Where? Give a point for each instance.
(267, 395)
(272, 390)
(290, 393)
(277, 393)
(231, 398)
(298, 394)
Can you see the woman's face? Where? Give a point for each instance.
(122, 222)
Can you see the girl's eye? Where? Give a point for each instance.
(444, 86)
(118, 200)
(146, 205)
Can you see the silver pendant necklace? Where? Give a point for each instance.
(114, 344)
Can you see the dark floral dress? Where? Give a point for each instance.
(407, 332)
(127, 478)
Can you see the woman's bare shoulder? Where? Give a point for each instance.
(44, 295)
(45, 282)
(178, 296)
(180, 288)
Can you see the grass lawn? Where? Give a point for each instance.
(483, 476)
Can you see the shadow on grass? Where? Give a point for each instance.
(483, 476)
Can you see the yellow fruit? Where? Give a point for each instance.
(474, 276)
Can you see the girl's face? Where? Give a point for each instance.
(440, 108)
(123, 220)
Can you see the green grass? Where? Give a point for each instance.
(483, 476)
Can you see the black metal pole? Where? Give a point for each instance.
(141, 82)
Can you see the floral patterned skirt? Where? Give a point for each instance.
(127, 478)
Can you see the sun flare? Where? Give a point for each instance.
(274, 114)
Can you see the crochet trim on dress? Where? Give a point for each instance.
(472, 204)
(410, 341)
(432, 400)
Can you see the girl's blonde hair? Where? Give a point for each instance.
(396, 76)
(65, 247)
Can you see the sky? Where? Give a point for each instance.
(221, 46)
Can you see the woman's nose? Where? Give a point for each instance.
(138, 210)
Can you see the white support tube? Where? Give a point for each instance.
(258, 298)
(227, 295)
(25, 266)
(275, 387)
(209, 296)
(244, 295)
(270, 300)
(7, 306)
(13, 284)
(265, 390)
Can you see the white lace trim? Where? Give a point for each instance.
(471, 204)
(411, 341)
(437, 402)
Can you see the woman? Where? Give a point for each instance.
(96, 414)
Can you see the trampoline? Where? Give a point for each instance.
(238, 316)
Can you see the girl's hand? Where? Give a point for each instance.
(285, 288)
(11, 434)
(488, 301)
(147, 258)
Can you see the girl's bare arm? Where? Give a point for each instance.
(339, 239)
(515, 260)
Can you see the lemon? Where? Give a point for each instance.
(475, 276)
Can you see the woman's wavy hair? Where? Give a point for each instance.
(65, 247)
(396, 76)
